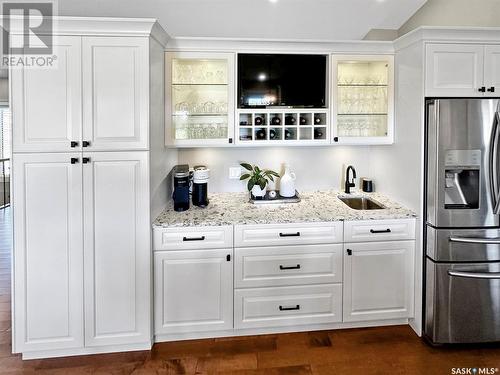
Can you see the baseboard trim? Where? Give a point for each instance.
(87, 351)
(263, 331)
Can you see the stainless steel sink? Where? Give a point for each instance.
(361, 203)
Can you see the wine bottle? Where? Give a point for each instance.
(261, 134)
(272, 134)
(303, 120)
(258, 120)
(317, 120)
(276, 120)
(290, 120)
(318, 133)
(288, 134)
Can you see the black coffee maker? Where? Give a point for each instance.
(182, 182)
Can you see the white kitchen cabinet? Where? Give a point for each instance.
(288, 265)
(117, 248)
(492, 70)
(193, 291)
(48, 261)
(362, 99)
(46, 103)
(115, 93)
(287, 306)
(200, 93)
(378, 280)
(82, 248)
(462, 70)
(454, 70)
(108, 112)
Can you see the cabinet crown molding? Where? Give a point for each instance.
(102, 26)
(448, 34)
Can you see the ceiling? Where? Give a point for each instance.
(282, 19)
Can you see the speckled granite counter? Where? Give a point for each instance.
(234, 208)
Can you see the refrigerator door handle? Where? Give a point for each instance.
(494, 165)
(475, 275)
(494, 241)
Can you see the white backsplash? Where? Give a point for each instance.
(317, 168)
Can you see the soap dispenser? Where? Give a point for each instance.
(287, 183)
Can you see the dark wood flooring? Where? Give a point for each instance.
(383, 350)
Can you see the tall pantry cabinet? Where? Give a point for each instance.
(84, 180)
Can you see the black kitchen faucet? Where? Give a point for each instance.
(349, 185)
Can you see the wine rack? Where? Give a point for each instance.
(282, 126)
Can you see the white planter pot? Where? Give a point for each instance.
(257, 192)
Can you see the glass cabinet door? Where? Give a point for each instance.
(363, 99)
(201, 100)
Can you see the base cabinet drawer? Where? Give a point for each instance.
(193, 291)
(287, 306)
(192, 238)
(288, 234)
(378, 280)
(379, 230)
(287, 265)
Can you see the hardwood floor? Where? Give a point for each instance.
(385, 350)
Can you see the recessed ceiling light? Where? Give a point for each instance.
(262, 77)
(273, 1)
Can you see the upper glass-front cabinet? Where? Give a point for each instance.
(363, 99)
(199, 98)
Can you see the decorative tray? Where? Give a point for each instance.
(267, 199)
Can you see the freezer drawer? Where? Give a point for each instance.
(463, 245)
(462, 302)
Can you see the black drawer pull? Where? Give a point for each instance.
(202, 238)
(297, 267)
(290, 234)
(297, 307)
(380, 231)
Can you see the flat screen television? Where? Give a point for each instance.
(266, 80)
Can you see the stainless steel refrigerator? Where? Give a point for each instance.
(462, 234)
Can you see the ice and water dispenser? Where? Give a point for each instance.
(462, 176)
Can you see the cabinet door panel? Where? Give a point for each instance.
(194, 291)
(378, 281)
(492, 69)
(117, 248)
(454, 70)
(115, 93)
(46, 103)
(48, 252)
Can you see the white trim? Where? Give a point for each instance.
(106, 26)
(266, 331)
(305, 46)
(447, 34)
(43, 354)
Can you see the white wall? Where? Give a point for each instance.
(317, 168)
(454, 13)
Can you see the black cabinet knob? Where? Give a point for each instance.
(491, 89)
(335, 139)
(74, 160)
(482, 89)
(85, 160)
(74, 144)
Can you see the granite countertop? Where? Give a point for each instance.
(317, 206)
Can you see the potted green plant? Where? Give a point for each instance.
(257, 179)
